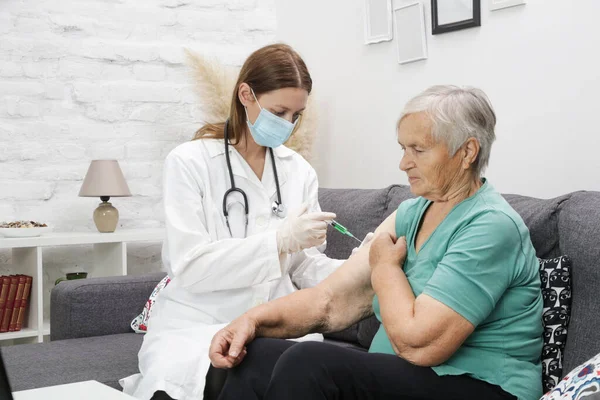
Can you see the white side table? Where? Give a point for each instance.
(89, 390)
(109, 259)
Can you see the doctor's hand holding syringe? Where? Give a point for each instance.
(301, 230)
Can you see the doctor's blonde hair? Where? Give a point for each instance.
(269, 68)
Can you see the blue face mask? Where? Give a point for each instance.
(269, 130)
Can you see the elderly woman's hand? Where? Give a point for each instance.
(228, 346)
(384, 252)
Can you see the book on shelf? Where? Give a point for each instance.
(5, 282)
(12, 325)
(24, 302)
(14, 299)
(10, 303)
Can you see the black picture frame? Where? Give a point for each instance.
(454, 26)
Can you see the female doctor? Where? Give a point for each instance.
(242, 222)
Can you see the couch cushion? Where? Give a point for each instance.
(105, 359)
(397, 194)
(140, 323)
(581, 383)
(579, 232)
(367, 328)
(541, 217)
(555, 275)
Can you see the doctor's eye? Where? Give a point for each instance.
(295, 117)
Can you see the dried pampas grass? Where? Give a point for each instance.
(215, 83)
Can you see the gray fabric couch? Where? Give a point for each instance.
(91, 337)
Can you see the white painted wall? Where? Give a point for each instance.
(89, 79)
(539, 64)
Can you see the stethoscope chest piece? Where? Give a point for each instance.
(278, 209)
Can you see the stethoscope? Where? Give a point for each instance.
(277, 207)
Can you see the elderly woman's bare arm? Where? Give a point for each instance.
(339, 301)
(422, 330)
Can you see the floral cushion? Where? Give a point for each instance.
(140, 323)
(583, 383)
(555, 275)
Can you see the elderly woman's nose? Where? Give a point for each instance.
(404, 163)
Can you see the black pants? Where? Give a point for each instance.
(280, 369)
(215, 379)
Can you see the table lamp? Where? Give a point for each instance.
(104, 179)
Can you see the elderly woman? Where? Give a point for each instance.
(452, 276)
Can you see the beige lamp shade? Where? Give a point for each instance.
(104, 178)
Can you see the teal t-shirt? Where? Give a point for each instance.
(481, 263)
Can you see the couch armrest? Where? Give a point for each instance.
(98, 306)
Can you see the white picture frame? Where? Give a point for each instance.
(500, 4)
(410, 32)
(378, 21)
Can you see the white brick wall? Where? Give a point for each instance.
(88, 79)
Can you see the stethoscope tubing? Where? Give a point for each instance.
(277, 208)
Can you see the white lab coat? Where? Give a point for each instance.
(216, 278)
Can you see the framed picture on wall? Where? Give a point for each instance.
(454, 15)
(411, 34)
(378, 21)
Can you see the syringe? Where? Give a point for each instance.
(342, 229)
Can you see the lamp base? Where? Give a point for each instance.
(106, 217)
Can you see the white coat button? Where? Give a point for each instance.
(261, 221)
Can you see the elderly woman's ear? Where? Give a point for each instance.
(470, 152)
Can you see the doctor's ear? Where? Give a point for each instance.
(245, 94)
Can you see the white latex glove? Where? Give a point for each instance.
(301, 230)
(366, 240)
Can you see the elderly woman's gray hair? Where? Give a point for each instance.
(457, 115)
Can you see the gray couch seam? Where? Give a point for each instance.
(557, 212)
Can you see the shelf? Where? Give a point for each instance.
(109, 258)
(74, 238)
(23, 333)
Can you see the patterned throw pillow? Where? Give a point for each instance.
(583, 383)
(555, 275)
(140, 323)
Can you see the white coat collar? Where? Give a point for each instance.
(216, 147)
